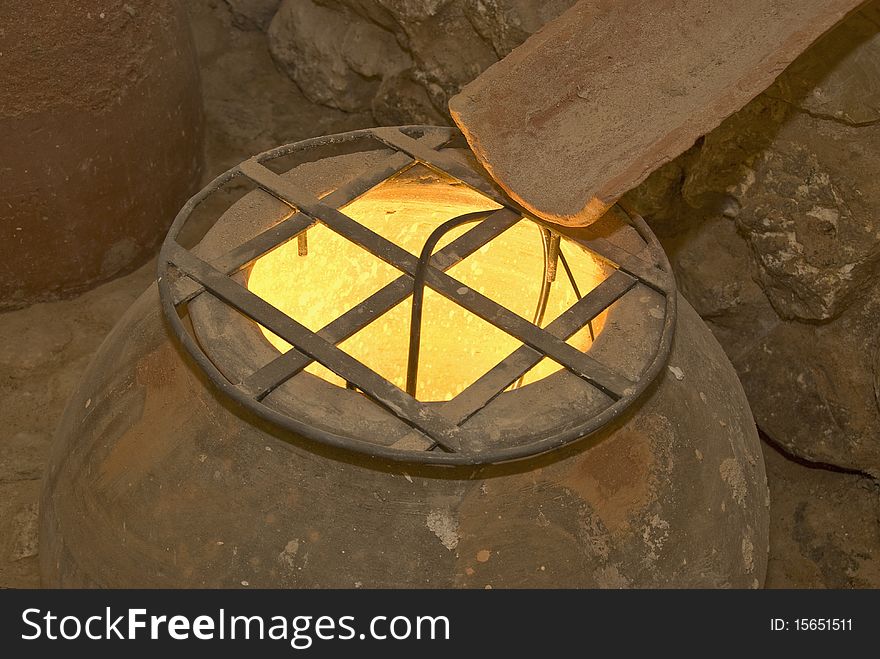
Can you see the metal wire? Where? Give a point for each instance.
(574, 286)
(548, 277)
(415, 323)
(547, 240)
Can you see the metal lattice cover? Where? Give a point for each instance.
(437, 430)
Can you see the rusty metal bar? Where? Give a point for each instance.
(380, 390)
(609, 382)
(296, 223)
(418, 297)
(439, 160)
(482, 391)
(284, 367)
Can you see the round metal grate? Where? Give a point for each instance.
(436, 432)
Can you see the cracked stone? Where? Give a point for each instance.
(776, 242)
(839, 77)
(807, 192)
(812, 389)
(253, 14)
(22, 456)
(25, 529)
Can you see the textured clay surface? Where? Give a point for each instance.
(101, 136)
(674, 494)
(589, 106)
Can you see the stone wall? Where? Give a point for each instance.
(772, 220)
(402, 59)
(773, 224)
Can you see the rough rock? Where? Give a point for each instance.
(811, 388)
(401, 100)
(336, 57)
(588, 107)
(507, 23)
(811, 543)
(445, 47)
(418, 52)
(811, 216)
(253, 104)
(22, 456)
(839, 77)
(722, 288)
(778, 247)
(805, 194)
(253, 14)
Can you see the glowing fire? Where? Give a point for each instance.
(456, 346)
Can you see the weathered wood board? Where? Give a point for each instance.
(599, 98)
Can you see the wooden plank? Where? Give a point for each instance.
(593, 103)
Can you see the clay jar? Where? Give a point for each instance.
(160, 478)
(100, 139)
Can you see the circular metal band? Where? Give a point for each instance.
(183, 276)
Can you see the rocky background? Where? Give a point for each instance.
(772, 222)
(399, 59)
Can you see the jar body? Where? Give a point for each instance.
(157, 481)
(101, 137)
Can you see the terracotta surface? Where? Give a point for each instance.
(100, 136)
(589, 106)
(184, 491)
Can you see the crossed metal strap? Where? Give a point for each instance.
(434, 425)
